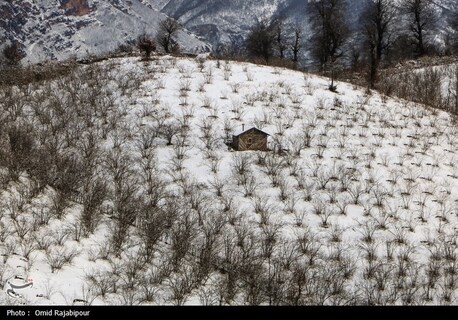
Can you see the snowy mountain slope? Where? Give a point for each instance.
(220, 22)
(227, 22)
(223, 22)
(358, 205)
(61, 29)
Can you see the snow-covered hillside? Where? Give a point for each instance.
(432, 82)
(118, 188)
(222, 22)
(228, 21)
(62, 29)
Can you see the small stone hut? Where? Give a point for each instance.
(251, 139)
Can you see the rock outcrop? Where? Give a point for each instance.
(75, 7)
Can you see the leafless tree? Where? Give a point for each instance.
(330, 31)
(5, 232)
(13, 53)
(166, 36)
(278, 26)
(27, 247)
(152, 225)
(181, 235)
(254, 282)
(296, 44)
(309, 244)
(378, 19)
(132, 265)
(261, 40)
(124, 196)
(58, 256)
(20, 145)
(241, 163)
(146, 44)
(422, 18)
(93, 194)
(149, 287)
(208, 244)
(101, 281)
(181, 284)
(169, 130)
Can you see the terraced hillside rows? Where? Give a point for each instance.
(118, 187)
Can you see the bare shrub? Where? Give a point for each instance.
(59, 256)
(241, 163)
(181, 235)
(181, 285)
(124, 196)
(93, 194)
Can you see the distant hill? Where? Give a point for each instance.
(60, 29)
(227, 21)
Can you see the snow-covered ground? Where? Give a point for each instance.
(358, 205)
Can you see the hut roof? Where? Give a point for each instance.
(241, 131)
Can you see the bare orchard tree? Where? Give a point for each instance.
(19, 147)
(59, 256)
(94, 192)
(208, 244)
(124, 196)
(153, 223)
(181, 235)
(181, 284)
(166, 36)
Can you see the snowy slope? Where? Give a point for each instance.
(359, 205)
(61, 29)
(227, 22)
